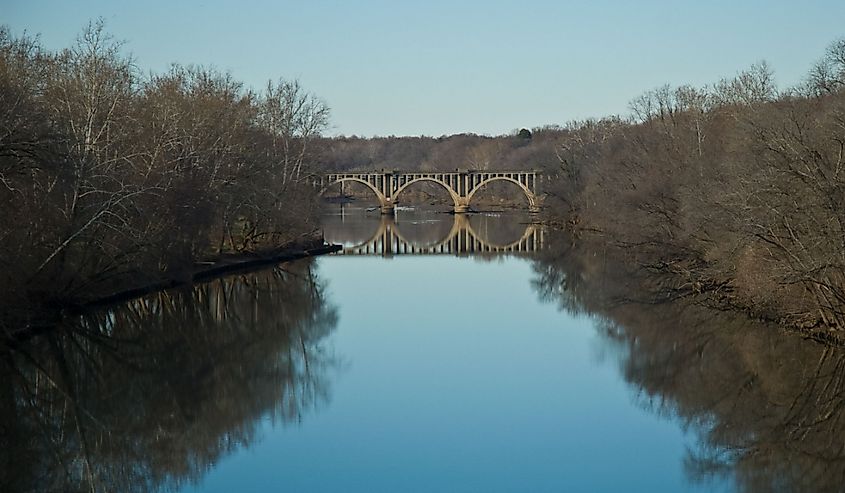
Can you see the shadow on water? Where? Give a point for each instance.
(150, 394)
(768, 408)
(428, 232)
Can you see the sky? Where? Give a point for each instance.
(442, 67)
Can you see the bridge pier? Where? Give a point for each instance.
(386, 205)
(461, 208)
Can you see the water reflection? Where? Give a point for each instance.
(768, 407)
(151, 394)
(422, 232)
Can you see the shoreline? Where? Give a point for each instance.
(223, 267)
(234, 264)
(815, 330)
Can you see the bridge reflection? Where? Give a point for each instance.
(461, 238)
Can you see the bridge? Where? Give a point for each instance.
(462, 239)
(461, 185)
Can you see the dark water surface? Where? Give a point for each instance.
(436, 354)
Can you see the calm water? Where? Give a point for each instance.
(437, 354)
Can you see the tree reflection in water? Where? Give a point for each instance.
(768, 407)
(150, 394)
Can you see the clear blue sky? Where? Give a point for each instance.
(436, 67)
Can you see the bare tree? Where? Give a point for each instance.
(754, 85)
(108, 179)
(828, 74)
(294, 118)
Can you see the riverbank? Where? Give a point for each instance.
(735, 191)
(227, 265)
(644, 277)
(122, 190)
(202, 272)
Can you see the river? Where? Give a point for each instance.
(436, 353)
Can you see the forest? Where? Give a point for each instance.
(110, 178)
(523, 149)
(737, 190)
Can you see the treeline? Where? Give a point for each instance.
(736, 189)
(525, 149)
(108, 177)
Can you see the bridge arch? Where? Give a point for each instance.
(379, 196)
(460, 185)
(443, 184)
(532, 199)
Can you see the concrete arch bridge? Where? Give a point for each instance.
(462, 239)
(461, 185)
